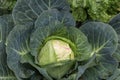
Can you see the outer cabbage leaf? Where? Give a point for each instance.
(104, 40)
(117, 53)
(6, 25)
(26, 11)
(18, 48)
(5, 72)
(82, 68)
(54, 16)
(18, 45)
(28, 58)
(115, 23)
(101, 36)
(105, 67)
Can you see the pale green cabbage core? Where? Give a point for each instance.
(55, 51)
(62, 50)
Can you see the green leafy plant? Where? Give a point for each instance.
(100, 10)
(39, 41)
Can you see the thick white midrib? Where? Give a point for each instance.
(101, 46)
(97, 50)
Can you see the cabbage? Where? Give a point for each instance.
(39, 41)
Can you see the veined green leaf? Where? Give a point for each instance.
(18, 45)
(104, 41)
(5, 72)
(115, 23)
(26, 11)
(106, 65)
(101, 36)
(6, 25)
(28, 58)
(55, 16)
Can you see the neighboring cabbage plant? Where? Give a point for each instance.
(100, 10)
(115, 23)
